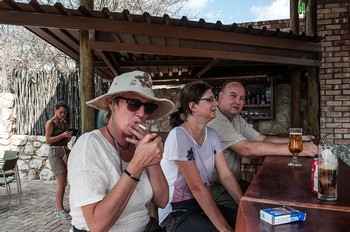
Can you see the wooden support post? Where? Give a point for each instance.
(295, 100)
(295, 78)
(311, 18)
(294, 16)
(313, 78)
(86, 87)
(314, 102)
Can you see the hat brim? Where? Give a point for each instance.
(165, 106)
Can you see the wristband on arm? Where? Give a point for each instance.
(131, 176)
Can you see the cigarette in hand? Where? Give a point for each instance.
(142, 126)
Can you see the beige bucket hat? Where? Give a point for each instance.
(137, 82)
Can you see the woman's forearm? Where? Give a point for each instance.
(159, 185)
(102, 215)
(233, 188)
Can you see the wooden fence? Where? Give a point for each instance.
(36, 92)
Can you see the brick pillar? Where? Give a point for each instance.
(333, 20)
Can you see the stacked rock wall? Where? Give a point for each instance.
(7, 120)
(32, 162)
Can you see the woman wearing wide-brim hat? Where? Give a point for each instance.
(114, 172)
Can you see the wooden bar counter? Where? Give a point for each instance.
(277, 184)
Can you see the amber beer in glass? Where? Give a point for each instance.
(295, 145)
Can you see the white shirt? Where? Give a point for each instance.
(93, 170)
(180, 146)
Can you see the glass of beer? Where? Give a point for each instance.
(327, 172)
(295, 145)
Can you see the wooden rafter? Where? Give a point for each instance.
(207, 67)
(191, 52)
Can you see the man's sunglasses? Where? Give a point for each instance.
(134, 105)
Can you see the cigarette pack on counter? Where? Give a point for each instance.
(281, 215)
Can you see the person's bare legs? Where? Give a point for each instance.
(61, 186)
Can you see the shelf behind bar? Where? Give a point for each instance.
(257, 106)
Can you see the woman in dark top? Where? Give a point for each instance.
(57, 135)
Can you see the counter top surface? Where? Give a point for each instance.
(277, 184)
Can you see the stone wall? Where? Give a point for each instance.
(33, 162)
(7, 116)
(7, 121)
(281, 122)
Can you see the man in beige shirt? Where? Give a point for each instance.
(239, 139)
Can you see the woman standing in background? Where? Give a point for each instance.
(57, 136)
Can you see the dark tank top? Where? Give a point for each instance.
(58, 131)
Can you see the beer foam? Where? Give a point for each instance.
(330, 160)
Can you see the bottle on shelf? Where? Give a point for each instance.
(262, 100)
(257, 97)
(268, 92)
(252, 99)
(248, 98)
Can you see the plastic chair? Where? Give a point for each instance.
(9, 164)
(15, 172)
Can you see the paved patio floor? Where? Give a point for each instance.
(36, 212)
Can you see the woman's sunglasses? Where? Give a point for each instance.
(134, 105)
(209, 99)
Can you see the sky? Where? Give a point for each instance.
(237, 11)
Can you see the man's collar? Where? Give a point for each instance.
(223, 115)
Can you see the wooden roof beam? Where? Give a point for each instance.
(104, 58)
(142, 28)
(191, 52)
(159, 63)
(59, 44)
(207, 67)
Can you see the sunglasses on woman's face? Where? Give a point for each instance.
(134, 105)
